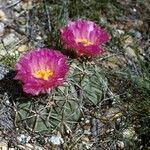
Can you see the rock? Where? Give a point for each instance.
(138, 35)
(2, 16)
(120, 144)
(3, 145)
(17, 7)
(11, 149)
(22, 138)
(3, 71)
(120, 31)
(29, 147)
(10, 39)
(88, 145)
(22, 48)
(26, 5)
(129, 133)
(36, 147)
(130, 52)
(128, 40)
(103, 20)
(2, 28)
(56, 139)
(26, 147)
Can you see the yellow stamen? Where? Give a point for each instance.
(44, 74)
(85, 42)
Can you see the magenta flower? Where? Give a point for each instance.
(41, 70)
(85, 37)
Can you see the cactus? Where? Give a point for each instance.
(63, 106)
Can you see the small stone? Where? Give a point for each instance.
(87, 121)
(11, 149)
(36, 147)
(2, 27)
(26, 147)
(138, 35)
(26, 5)
(87, 145)
(22, 48)
(3, 145)
(103, 20)
(128, 40)
(2, 16)
(17, 7)
(23, 138)
(85, 139)
(87, 132)
(129, 133)
(120, 144)
(130, 52)
(120, 31)
(29, 147)
(38, 37)
(3, 71)
(56, 139)
(10, 39)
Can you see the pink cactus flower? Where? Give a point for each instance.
(85, 37)
(41, 70)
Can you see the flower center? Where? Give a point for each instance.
(43, 73)
(85, 42)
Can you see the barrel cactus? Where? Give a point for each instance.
(61, 108)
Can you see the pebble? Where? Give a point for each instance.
(17, 7)
(11, 148)
(128, 133)
(56, 140)
(121, 31)
(120, 144)
(2, 16)
(10, 39)
(3, 145)
(22, 48)
(36, 147)
(22, 138)
(2, 28)
(27, 5)
(128, 40)
(3, 71)
(130, 52)
(136, 33)
(26, 147)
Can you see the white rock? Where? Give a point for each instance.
(3, 145)
(37, 147)
(56, 140)
(23, 138)
(120, 31)
(128, 133)
(17, 7)
(120, 144)
(29, 146)
(2, 27)
(10, 39)
(2, 15)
